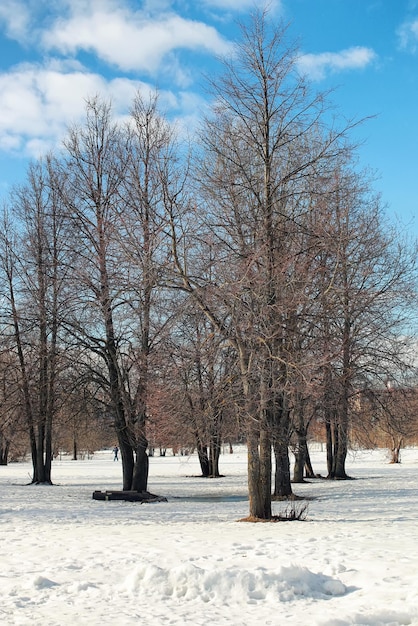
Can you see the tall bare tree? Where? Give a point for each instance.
(266, 140)
(93, 164)
(365, 284)
(114, 193)
(151, 161)
(32, 243)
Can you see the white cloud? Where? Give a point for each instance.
(16, 17)
(9, 142)
(142, 40)
(129, 40)
(39, 101)
(186, 111)
(408, 35)
(37, 104)
(317, 66)
(237, 5)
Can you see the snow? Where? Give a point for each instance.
(66, 558)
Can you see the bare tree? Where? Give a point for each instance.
(93, 167)
(31, 254)
(151, 161)
(364, 283)
(114, 194)
(13, 433)
(265, 141)
(202, 370)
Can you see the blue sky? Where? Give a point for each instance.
(55, 53)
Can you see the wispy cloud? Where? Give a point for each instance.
(408, 35)
(239, 5)
(16, 17)
(317, 66)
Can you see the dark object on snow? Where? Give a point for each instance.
(129, 496)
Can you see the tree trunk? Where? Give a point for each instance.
(4, 450)
(126, 438)
(341, 452)
(397, 443)
(282, 482)
(281, 437)
(214, 453)
(309, 472)
(329, 445)
(141, 468)
(127, 455)
(299, 466)
(259, 473)
(342, 418)
(23, 372)
(202, 453)
(337, 447)
(301, 431)
(300, 456)
(341, 435)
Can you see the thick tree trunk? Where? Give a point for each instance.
(396, 455)
(259, 474)
(141, 468)
(397, 443)
(282, 482)
(214, 453)
(127, 457)
(202, 453)
(42, 467)
(300, 456)
(337, 447)
(126, 439)
(299, 466)
(341, 453)
(281, 440)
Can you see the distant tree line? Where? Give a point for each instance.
(248, 287)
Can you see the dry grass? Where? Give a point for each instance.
(292, 513)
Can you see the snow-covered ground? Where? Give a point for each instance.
(68, 559)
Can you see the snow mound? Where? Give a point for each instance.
(232, 585)
(41, 582)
